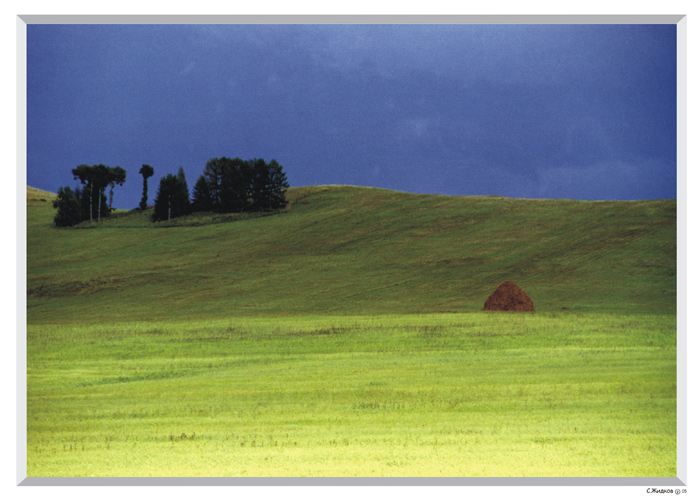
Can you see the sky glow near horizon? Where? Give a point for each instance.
(535, 111)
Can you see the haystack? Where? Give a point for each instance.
(508, 296)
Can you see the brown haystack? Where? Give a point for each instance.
(508, 296)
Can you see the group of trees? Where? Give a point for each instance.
(89, 201)
(173, 197)
(235, 185)
(226, 186)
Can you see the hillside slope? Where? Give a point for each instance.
(38, 197)
(352, 250)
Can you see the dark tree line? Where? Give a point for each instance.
(226, 186)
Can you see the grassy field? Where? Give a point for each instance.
(435, 395)
(350, 250)
(343, 337)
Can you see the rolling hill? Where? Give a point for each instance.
(354, 250)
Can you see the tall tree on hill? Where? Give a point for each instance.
(68, 204)
(185, 187)
(268, 186)
(213, 172)
(172, 199)
(201, 196)
(118, 177)
(277, 186)
(94, 179)
(235, 185)
(89, 200)
(84, 173)
(102, 177)
(146, 171)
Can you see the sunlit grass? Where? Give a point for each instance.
(434, 395)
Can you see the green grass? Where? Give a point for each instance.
(350, 250)
(434, 395)
(344, 337)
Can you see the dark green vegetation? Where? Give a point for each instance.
(236, 186)
(343, 336)
(146, 171)
(173, 198)
(349, 250)
(227, 186)
(90, 202)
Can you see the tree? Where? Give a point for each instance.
(88, 201)
(277, 186)
(184, 188)
(213, 171)
(172, 199)
(268, 186)
(201, 196)
(84, 173)
(68, 204)
(118, 177)
(146, 171)
(94, 179)
(101, 178)
(235, 185)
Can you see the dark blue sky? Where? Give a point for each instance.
(554, 111)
